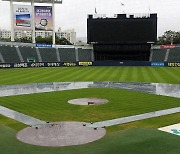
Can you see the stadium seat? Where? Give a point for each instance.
(67, 54)
(27, 52)
(158, 55)
(48, 54)
(9, 54)
(85, 55)
(174, 55)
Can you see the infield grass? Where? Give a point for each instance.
(53, 106)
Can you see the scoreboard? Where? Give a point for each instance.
(122, 30)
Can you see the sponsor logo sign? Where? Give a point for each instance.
(43, 18)
(157, 64)
(85, 63)
(22, 15)
(69, 64)
(173, 64)
(169, 46)
(43, 45)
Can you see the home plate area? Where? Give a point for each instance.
(173, 129)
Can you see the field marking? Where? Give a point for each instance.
(173, 129)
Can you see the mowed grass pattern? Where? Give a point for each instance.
(53, 106)
(131, 141)
(128, 138)
(62, 74)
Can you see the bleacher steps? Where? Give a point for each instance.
(39, 55)
(167, 55)
(1, 58)
(19, 54)
(58, 56)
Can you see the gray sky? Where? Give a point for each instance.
(73, 13)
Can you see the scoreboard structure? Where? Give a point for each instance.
(122, 35)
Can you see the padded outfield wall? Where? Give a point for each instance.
(91, 63)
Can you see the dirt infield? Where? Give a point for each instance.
(88, 101)
(60, 134)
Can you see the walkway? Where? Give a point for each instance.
(124, 120)
(28, 120)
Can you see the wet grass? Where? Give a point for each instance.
(53, 106)
(130, 141)
(121, 74)
(131, 138)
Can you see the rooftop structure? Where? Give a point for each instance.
(37, 1)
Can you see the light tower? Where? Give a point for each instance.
(53, 2)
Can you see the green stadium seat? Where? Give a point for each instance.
(9, 54)
(67, 54)
(48, 54)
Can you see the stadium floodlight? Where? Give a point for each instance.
(53, 2)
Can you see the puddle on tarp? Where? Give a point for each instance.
(172, 90)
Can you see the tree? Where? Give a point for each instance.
(169, 37)
(5, 39)
(62, 41)
(46, 40)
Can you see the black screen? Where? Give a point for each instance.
(117, 30)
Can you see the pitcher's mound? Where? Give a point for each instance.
(88, 101)
(60, 134)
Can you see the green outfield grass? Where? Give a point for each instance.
(122, 74)
(53, 106)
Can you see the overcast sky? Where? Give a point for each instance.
(73, 13)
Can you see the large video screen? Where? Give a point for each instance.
(117, 30)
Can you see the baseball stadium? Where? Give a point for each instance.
(119, 93)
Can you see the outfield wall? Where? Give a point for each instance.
(96, 63)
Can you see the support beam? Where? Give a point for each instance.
(12, 20)
(33, 26)
(167, 55)
(53, 17)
